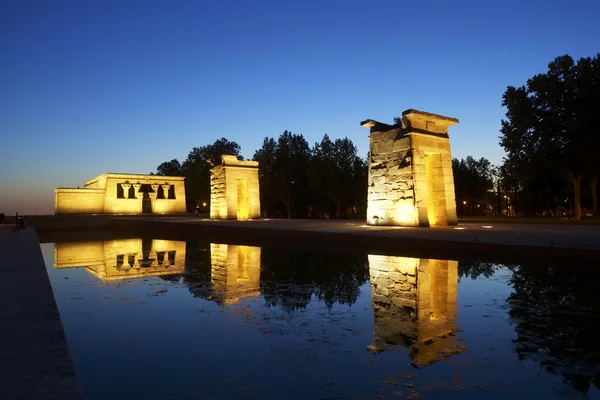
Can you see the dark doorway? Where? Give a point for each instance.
(146, 204)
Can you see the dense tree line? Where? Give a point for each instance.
(551, 137)
(473, 185)
(296, 181)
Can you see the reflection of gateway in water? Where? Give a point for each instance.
(414, 305)
(235, 272)
(124, 258)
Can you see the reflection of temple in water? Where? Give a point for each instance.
(414, 305)
(123, 258)
(235, 272)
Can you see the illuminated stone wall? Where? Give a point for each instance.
(235, 272)
(410, 171)
(234, 189)
(124, 258)
(123, 194)
(218, 198)
(414, 305)
(79, 201)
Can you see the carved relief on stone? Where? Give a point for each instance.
(166, 188)
(155, 191)
(136, 189)
(126, 187)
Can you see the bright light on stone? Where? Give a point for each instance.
(114, 194)
(234, 189)
(410, 172)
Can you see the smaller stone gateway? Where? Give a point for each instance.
(234, 189)
(410, 171)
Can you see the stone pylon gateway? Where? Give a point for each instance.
(234, 189)
(410, 171)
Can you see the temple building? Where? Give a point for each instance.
(410, 171)
(234, 189)
(414, 305)
(111, 260)
(123, 194)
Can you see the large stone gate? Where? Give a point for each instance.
(410, 171)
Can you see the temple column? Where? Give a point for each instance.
(165, 189)
(155, 193)
(126, 187)
(136, 189)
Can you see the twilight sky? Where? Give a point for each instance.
(88, 87)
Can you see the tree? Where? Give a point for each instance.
(266, 175)
(335, 169)
(170, 168)
(473, 179)
(360, 176)
(549, 123)
(291, 166)
(284, 167)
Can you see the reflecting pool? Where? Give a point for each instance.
(162, 319)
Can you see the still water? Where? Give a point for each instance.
(160, 319)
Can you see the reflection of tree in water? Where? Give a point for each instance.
(476, 269)
(290, 278)
(197, 270)
(557, 314)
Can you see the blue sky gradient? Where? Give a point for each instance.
(88, 87)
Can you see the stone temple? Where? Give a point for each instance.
(123, 194)
(410, 171)
(234, 189)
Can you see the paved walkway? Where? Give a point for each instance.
(535, 240)
(35, 362)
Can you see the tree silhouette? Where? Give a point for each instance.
(336, 171)
(283, 168)
(550, 124)
(170, 168)
(473, 180)
(290, 278)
